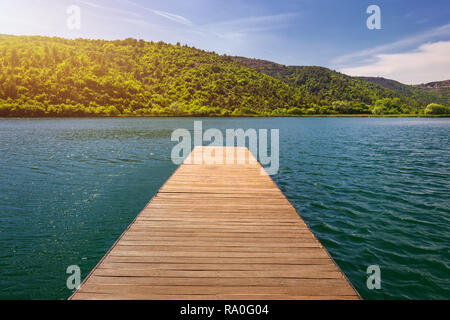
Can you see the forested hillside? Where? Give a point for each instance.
(41, 76)
(330, 86)
(440, 87)
(423, 94)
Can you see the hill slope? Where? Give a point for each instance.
(440, 87)
(330, 85)
(426, 93)
(43, 76)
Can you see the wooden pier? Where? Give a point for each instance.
(217, 231)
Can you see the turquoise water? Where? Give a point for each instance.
(373, 190)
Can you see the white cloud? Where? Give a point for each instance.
(97, 6)
(91, 4)
(173, 17)
(282, 17)
(170, 16)
(429, 62)
(239, 28)
(439, 32)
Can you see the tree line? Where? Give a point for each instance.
(42, 76)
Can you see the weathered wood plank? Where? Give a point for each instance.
(217, 231)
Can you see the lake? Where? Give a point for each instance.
(375, 191)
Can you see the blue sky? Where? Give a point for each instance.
(412, 46)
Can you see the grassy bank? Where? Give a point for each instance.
(234, 116)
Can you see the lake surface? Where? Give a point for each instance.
(375, 191)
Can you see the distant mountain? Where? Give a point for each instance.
(440, 87)
(438, 92)
(328, 85)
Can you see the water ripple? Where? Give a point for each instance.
(374, 191)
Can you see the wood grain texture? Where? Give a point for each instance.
(217, 230)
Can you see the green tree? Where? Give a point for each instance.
(434, 108)
(43, 76)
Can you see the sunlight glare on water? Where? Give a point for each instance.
(373, 190)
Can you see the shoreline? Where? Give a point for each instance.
(237, 116)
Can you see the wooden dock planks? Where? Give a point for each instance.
(217, 231)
